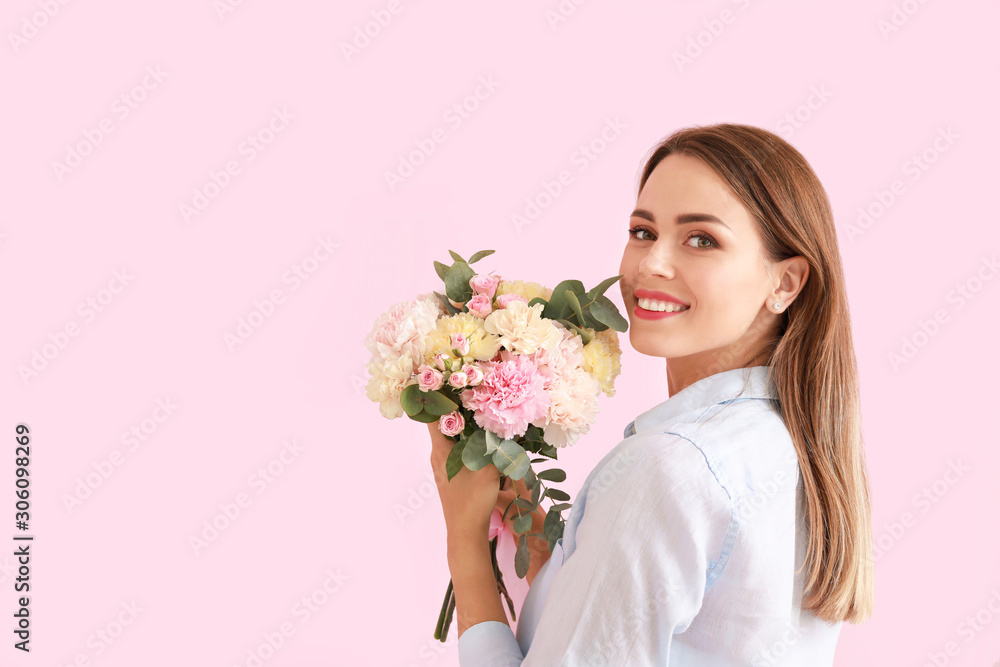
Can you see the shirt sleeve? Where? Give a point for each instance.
(656, 521)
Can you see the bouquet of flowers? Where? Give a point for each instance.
(509, 369)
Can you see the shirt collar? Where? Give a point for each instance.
(715, 389)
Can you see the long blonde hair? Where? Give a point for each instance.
(811, 358)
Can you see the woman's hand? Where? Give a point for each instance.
(469, 498)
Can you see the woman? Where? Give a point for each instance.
(732, 524)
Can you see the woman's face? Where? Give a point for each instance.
(716, 269)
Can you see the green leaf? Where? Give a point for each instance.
(454, 462)
(574, 303)
(436, 403)
(441, 269)
(412, 400)
(455, 256)
(553, 475)
(552, 520)
(559, 507)
(604, 310)
(456, 282)
(549, 450)
(511, 459)
(558, 308)
(536, 494)
(452, 310)
(474, 456)
(538, 299)
(424, 418)
(479, 255)
(492, 440)
(521, 557)
(602, 287)
(522, 524)
(524, 504)
(556, 494)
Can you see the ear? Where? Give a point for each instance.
(790, 275)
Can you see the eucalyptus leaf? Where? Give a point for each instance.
(521, 557)
(524, 504)
(479, 255)
(436, 403)
(492, 440)
(441, 269)
(540, 300)
(556, 494)
(522, 524)
(536, 494)
(412, 400)
(574, 304)
(550, 451)
(455, 256)
(452, 310)
(454, 462)
(474, 456)
(511, 459)
(553, 475)
(602, 287)
(425, 417)
(552, 520)
(561, 507)
(604, 310)
(456, 282)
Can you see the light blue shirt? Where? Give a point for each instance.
(681, 548)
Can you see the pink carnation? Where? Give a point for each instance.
(511, 396)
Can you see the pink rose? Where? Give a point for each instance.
(504, 299)
(460, 343)
(480, 305)
(485, 285)
(429, 378)
(452, 423)
(458, 379)
(440, 360)
(474, 374)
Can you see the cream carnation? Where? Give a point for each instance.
(522, 328)
(482, 344)
(528, 290)
(572, 407)
(388, 379)
(602, 359)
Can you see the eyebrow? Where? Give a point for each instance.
(683, 218)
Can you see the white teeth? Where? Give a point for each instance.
(662, 306)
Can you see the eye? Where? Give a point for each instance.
(702, 235)
(635, 231)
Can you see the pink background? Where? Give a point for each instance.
(858, 103)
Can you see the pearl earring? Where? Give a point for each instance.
(777, 305)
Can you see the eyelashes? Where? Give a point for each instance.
(633, 232)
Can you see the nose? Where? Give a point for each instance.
(656, 262)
